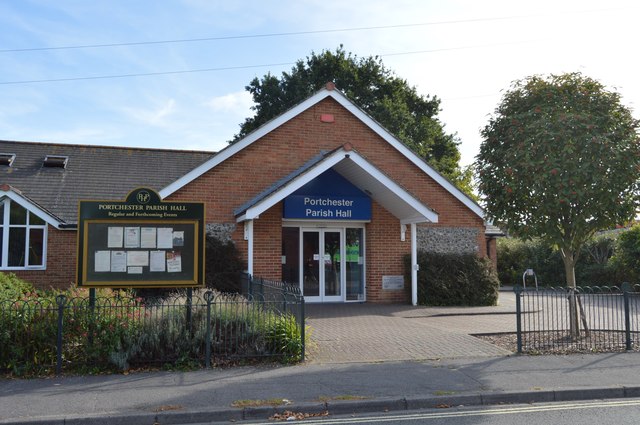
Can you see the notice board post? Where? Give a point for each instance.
(140, 242)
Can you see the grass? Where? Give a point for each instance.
(440, 392)
(259, 403)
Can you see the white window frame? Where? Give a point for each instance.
(6, 226)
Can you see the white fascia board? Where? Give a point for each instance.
(255, 211)
(419, 162)
(231, 150)
(31, 207)
(395, 188)
(415, 220)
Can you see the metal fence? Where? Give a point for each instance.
(43, 334)
(582, 319)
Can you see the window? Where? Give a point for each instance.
(22, 237)
(55, 161)
(7, 159)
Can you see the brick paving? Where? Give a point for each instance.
(343, 333)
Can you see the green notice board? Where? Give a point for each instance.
(140, 242)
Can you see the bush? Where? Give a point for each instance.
(516, 255)
(120, 331)
(223, 266)
(594, 265)
(626, 258)
(13, 288)
(28, 329)
(455, 280)
(283, 336)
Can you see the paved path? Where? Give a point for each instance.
(343, 333)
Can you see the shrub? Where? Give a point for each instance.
(626, 259)
(516, 255)
(455, 279)
(119, 331)
(12, 287)
(223, 265)
(594, 265)
(284, 337)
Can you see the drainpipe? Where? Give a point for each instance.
(414, 265)
(248, 236)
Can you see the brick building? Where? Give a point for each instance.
(321, 196)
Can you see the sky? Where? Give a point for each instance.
(172, 73)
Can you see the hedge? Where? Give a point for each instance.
(604, 260)
(455, 280)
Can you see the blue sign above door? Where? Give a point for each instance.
(328, 197)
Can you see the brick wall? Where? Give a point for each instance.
(385, 256)
(267, 244)
(285, 149)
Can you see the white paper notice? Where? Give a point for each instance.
(132, 237)
(147, 237)
(114, 237)
(178, 238)
(165, 237)
(103, 261)
(134, 270)
(174, 262)
(137, 258)
(118, 261)
(157, 261)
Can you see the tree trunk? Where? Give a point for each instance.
(570, 274)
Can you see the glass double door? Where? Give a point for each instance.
(327, 263)
(322, 264)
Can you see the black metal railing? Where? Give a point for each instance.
(40, 334)
(581, 319)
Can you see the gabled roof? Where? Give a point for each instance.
(327, 92)
(91, 172)
(361, 173)
(7, 191)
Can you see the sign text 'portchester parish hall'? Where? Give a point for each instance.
(329, 196)
(327, 207)
(142, 211)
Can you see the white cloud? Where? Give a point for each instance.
(157, 116)
(237, 103)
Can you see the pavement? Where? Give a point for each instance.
(334, 382)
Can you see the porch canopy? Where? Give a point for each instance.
(357, 170)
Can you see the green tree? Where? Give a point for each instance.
(560, 160)
(374, 88)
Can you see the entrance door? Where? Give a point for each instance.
(322, 255)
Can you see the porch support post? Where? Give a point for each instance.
(248, 236)
(414, 265)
